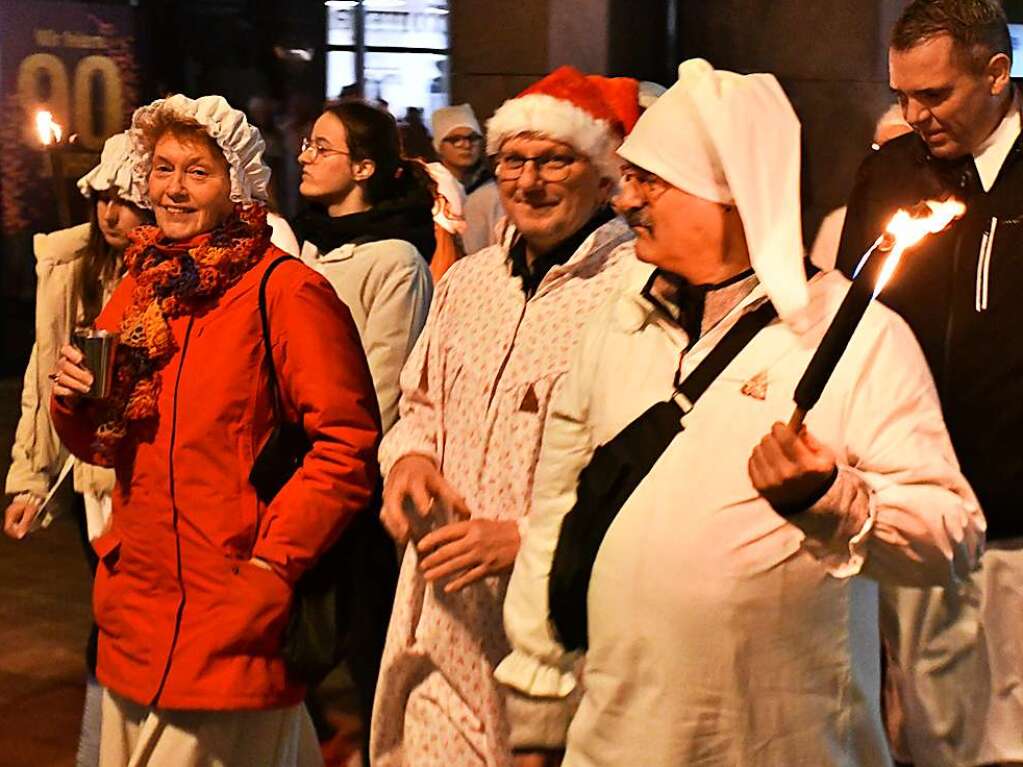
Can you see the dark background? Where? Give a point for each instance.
(830, 56)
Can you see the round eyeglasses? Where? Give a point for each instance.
(651, 187)
(316, 150)
(549, 167)
(471, 140)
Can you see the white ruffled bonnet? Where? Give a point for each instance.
(240, 142)
(115, 172)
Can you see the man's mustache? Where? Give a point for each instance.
(638, 218)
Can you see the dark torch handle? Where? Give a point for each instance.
(831, 348)
(60, 193)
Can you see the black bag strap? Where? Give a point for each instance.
(727, 349)
(616, 469)
(264, 317)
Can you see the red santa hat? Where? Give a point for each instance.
(590, 113)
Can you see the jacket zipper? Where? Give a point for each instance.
(174, 514)
(987, 244)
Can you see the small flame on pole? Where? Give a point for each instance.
(905, 229)
(48, 129)
(51, 136)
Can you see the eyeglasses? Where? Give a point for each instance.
(549, 167)
(650, 186)
(318, 151)
(471, 140)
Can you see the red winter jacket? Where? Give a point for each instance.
(186, 620)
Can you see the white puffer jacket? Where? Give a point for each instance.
(387, 287)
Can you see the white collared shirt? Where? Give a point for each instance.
(991, 155)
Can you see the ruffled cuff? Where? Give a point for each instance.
(538, 724)
(23, 480)
(527, 674)
(839, 525)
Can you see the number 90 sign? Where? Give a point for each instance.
(94, 101)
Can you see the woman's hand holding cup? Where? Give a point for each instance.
(71, 380)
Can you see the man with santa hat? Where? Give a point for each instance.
(475, 394)
(731, 607)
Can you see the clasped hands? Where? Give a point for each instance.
(463, 551)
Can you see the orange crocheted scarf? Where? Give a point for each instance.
(172, 279)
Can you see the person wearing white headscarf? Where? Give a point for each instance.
(458, 139)
(732, 605)
(77, 269)
(241, 143)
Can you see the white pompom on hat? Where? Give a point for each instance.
(588, 112)
(114, 172)
(447, 119)
(449, 201)
(241, 143)
(734, 139)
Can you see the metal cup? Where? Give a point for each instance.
(98, 348)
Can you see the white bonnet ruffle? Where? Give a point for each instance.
(240, 142)
(115, 172)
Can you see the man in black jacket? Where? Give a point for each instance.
(958, 662)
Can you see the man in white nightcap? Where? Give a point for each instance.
(732, 601)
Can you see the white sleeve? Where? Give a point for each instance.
(25, 475)
(282, 236)
(923, 524)
(397, 299)
(538, 665)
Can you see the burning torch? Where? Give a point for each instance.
(51, 137)
(906, 229)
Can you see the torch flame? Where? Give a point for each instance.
(49, 130)
(907, 228)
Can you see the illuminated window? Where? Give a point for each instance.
(391, 50)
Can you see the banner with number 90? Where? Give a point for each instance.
(80, 63)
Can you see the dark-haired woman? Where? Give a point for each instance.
(370, 232)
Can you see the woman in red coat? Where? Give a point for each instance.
(196, 575)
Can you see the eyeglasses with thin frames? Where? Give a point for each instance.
(549, 167)
(318, 151)
(470, 140)
(651, 187)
